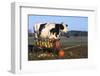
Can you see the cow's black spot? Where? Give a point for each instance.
(61, 26)
(55, 30)
(57, 27)
(41, 27)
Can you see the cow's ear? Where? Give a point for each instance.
(62, 23)
(66, 25)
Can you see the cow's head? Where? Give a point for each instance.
(63, 27)
(59, 28)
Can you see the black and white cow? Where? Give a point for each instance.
(49, 30)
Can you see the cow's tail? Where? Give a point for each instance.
(35, 29)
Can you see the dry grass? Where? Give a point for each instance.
(71, 53)
(77, 52)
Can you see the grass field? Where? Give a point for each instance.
(74, 47)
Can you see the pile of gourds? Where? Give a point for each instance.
(45, 43)
(50, 44)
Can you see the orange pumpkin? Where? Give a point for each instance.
(61, 53)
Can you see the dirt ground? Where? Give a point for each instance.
(74, 48)
(71, 53)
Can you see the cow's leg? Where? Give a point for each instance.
(57, 36)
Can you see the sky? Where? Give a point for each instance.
(74, 22)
